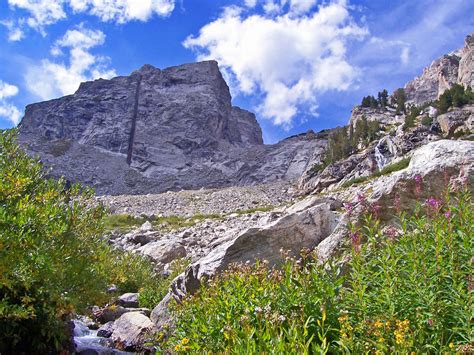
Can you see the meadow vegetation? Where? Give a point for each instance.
(404, 288)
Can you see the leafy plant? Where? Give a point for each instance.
(52, 260)
(151, 293)
(406, 287)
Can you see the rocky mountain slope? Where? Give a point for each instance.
(399, 165)
(159, 130)
(396, 137)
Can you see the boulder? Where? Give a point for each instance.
(128, 300)
(458, 118)
(431, 168)
(112, 312)
(303, 227)
(131, 331)
(106, 330)
(163, 251)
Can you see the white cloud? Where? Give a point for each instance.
(15, 33)
(250, 3)
(46, 12)
(122, 11)
(52, 79)
(287, 58)
(7, 109)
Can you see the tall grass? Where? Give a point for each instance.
(403, 288)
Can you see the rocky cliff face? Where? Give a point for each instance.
(457, 67)
(395, 141)
(159, 130)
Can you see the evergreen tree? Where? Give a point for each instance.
(383, 98)
(400, 99)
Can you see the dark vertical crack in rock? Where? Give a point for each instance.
(134, 122)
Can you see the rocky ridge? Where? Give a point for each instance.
(159, 130)
(456, 67)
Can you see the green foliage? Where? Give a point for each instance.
(372, 102)
(125, 222)
(343, 141)
(411, 292)
(426, 121)
(382, 98)
(355, 181)
(456, 96)
(386, 170)
(410, 118)
(48, 252)
(339, 146)
(52, 260)
(400, 99)
(369, 101)
(405, 289)
(151, 293)
(251, 309)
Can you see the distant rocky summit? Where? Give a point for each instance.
(159, 130)
(456, 67)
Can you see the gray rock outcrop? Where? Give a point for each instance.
(159, 130)
(457, 67)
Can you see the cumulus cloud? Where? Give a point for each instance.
(289, 57)
(122, 11)
(7, 109)
(15, 33)
(46, 12)
(51, 79)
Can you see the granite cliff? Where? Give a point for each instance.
(159, 130)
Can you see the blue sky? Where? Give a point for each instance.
(298, 64)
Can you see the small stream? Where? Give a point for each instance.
(87, 341)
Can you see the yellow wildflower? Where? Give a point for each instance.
(185, 341)
(378, 324)
(177, 347)
(451, 345)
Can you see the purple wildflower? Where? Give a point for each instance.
(349, 207)
(432, 202)
(447, 214)
(391, 232)
(355, 239)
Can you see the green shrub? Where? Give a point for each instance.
(251, 309)
(391, 168)
(426, 121)
(355, 181)
(48, 252)
(406, 289)
(53, 262)
(151, 293)
(411, 292)
(388, 169)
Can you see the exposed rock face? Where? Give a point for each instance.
(452, 68)
(459, 119)
(382, 115)
(439, 76)
(159, 130)
(466, 64)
